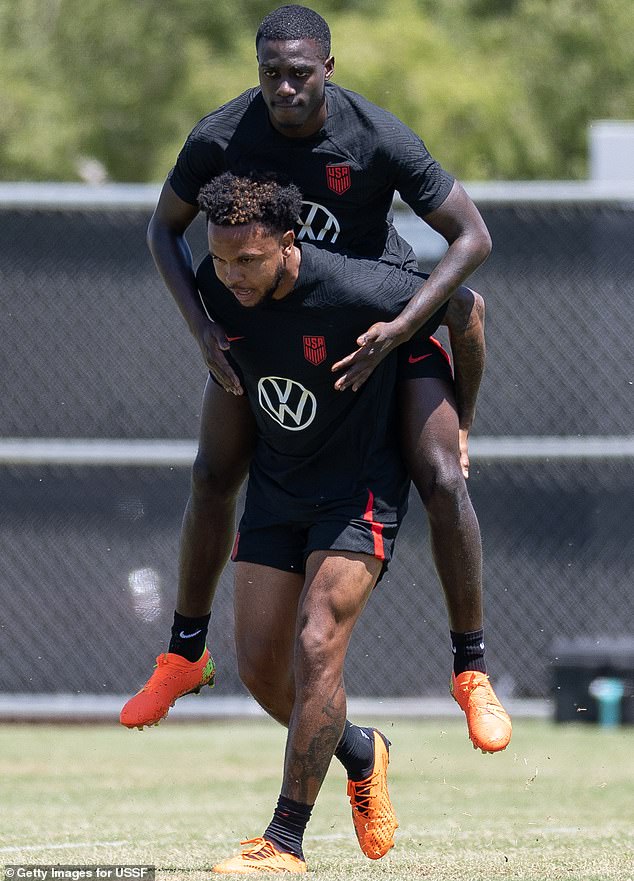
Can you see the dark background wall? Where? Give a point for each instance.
(93, 347)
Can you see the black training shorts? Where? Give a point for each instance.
(362, 526)
(423, 357)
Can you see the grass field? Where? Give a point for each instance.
(558, 804)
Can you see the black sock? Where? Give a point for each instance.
(189, 636)
(355, 751)
(286, 829)
(468, 651)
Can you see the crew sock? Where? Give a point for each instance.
(468, 651)
(286, 829)
(355, 751)
(189, 636)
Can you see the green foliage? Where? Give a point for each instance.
(497, 88)
(441, 88)
(576, 60)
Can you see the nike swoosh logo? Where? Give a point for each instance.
(415, 360)
(232, 339)
(189, 635)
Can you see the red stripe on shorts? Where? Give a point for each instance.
(234, 550)
(377, 528)
(442, 349)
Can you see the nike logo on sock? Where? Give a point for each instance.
(415, 359)
(189, 635)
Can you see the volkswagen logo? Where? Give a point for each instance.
(317, 224)
(287, 402)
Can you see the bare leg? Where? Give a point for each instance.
(292, 635)
(429, 433)
(336, 590)
(227, 436)
(226, 442)
(265, 607)
(291, 643)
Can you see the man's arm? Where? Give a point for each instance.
(173, 258)
(459, 222)
(464, 320)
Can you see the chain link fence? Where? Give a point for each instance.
(94, 347)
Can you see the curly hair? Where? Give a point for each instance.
(229, 200)
(295, 23)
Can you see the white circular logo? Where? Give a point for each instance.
(317, 224)
(287, 402)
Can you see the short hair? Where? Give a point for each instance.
(229, 200)
(295, 23)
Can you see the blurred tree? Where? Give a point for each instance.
(474, 115)
(576, 60)
(497, 88)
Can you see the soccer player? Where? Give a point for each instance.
(348, 157)
(325, 495)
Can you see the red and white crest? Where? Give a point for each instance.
(338, 177)
(315, 349)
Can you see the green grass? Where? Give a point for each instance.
(558, 804)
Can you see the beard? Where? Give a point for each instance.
(277, 278)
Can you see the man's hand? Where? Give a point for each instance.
(463, 435)
(213, 343)
(374, 345)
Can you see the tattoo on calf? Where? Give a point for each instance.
(305, 769)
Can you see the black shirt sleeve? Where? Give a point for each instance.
(203, 155)
(198, 162)
(419, 179)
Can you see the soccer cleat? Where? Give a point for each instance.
(173, 677)
(260, 855)
(372, 812)
(488, 722)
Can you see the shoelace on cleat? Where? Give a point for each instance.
(485, 703)
(260, 849)
(364, 793)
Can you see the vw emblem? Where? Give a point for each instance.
(287, 402)
(317, 224)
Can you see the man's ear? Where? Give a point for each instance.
(288, 240)
(329, 64)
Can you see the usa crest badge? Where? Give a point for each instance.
(315, 349)
(338, 177)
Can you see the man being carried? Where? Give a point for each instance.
(348, 157)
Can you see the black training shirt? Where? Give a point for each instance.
(348, 172)
(316, 444)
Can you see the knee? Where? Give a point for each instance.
(441, 484)
(318, 648)
(211, 484)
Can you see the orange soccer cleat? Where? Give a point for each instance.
(372, 812)
(173, 677)
(488, 722)
(260, 855)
